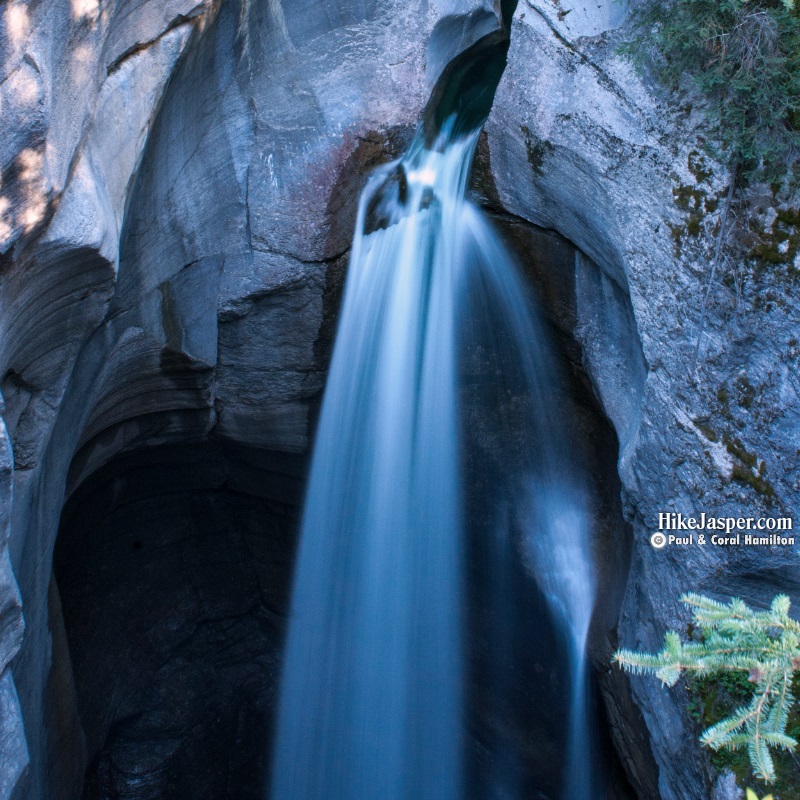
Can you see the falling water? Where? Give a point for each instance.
(544, 487)
(372, 692)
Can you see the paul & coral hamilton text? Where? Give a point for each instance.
(729, 530)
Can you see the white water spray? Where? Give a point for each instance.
(550, 504)
(371, 699)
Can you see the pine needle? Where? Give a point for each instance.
(763, 644)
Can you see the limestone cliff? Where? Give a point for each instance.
(179, 185)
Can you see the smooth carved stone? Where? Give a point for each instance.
(178, 190)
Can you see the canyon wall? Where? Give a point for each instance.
(178, 192)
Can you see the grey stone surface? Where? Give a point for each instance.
(10, 613)
(179, 185)
(177, 196)
(82, 83)
(725, 787)
(13, 747)
(580, 144)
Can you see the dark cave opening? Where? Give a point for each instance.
(173, 567)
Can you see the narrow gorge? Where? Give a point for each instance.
(179, 192)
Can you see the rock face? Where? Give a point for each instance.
(178, 194)
(578, 144)
(12, 738)
(178, 190)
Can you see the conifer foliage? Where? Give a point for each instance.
(734, 637)
(743, 57)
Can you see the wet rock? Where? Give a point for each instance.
(178, 190)
(580, 144)
(177, 195)
(725, 787)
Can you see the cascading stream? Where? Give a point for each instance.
(372, 694)
(542, 488)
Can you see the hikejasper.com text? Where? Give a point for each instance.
(673, 521)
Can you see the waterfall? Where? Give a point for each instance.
(544, 487)
(372, 700)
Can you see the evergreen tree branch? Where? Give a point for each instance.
(763, 644)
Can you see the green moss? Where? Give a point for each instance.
(768, 252)
(676, 232)
(790, 216)
(723, 395)
(696, 203)
(537, 150)
(758, 484)
(706, 429)
(698, 166)
(688, 198)
(736, 448)
(709, 433)
(744, 473)
(781, 244)
(750, 80)
(713, 699)
(777, 250)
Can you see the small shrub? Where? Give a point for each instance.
(764, 645)
(744, 57)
